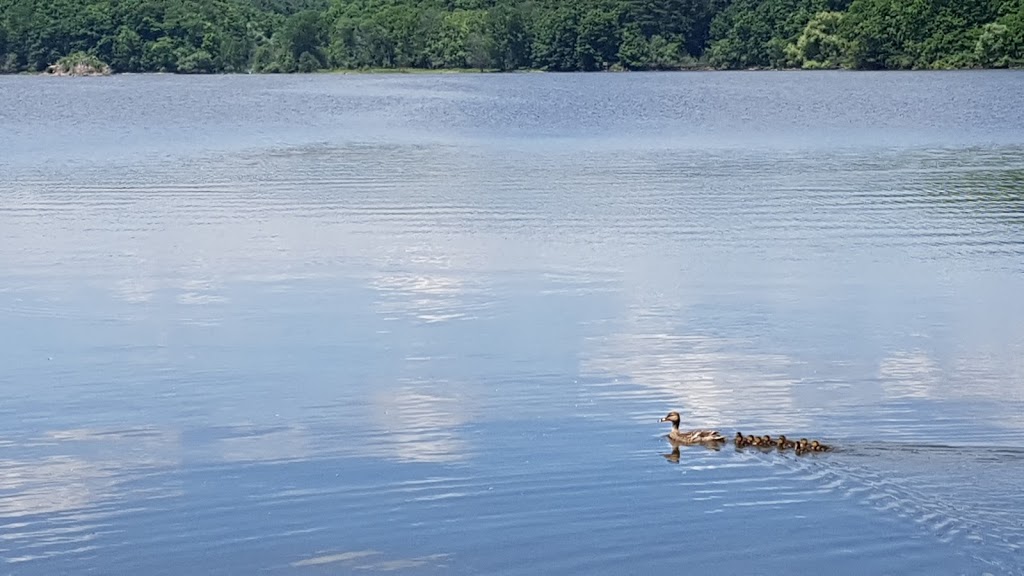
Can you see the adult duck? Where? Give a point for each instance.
(690, 436)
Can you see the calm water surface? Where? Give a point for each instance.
(427, 324)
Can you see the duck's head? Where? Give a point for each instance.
(782, 440)
(767, 439)
(672, 417)
(803, 442)
(751, 439)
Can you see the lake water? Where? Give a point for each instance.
(427, 324)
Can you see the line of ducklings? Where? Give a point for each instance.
(801, 446)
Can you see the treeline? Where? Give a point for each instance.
(201, 36)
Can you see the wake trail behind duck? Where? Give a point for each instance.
(920, 483)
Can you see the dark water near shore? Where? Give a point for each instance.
(427, 324)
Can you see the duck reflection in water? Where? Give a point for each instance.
(673, 456)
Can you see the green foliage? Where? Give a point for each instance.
(1001, 43)
(303, 33)
(555, 33)
(757, 33)
(820, 45)
(635, 50)
(597, 39)
(126, 50)
(197, 62)
(656, 53)
(905, 34)
(511, 36)
(460, 41)
(203, 36)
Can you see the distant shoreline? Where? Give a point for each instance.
(442, 36)
(446, 71)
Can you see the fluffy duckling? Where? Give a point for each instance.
(819, 447)
(739, 440)
(690, 436)
(751, 440)
(766, 441)
(784, 444)
(802, 446)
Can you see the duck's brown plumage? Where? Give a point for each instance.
(690, 436)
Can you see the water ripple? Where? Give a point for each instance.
(344, 324)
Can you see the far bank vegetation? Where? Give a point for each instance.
(212, 36)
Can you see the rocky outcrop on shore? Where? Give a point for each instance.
(79, 64)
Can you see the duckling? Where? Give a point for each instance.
(819, 447)
(784, 444)
(751, 440)
(766, 441)
(801, 446)
(690, 436)
(739, 441)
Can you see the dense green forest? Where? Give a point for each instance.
(196, 36)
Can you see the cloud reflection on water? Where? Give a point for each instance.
(105, 460)
(706, 377)
(426, 298)
(420, 425)
(977, 369)
(58, 504)
(911, 374)
(359, 560)
(52, 485)
(255, 445)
